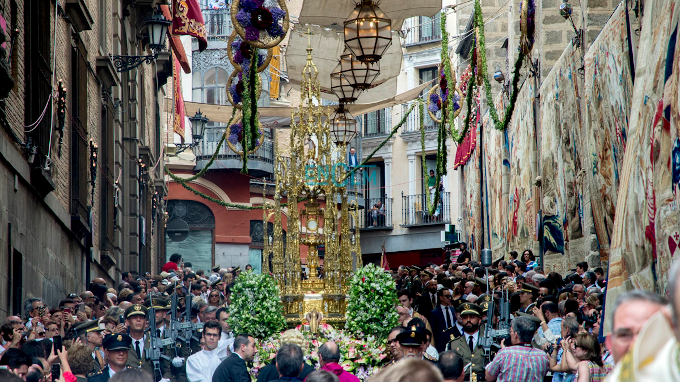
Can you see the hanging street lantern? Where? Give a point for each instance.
(360, 75)
(368, 31)
(198, 123)
(343, 126)
(345, 92)
(157, 26)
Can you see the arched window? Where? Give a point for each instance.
(189, 232)
(212, 88)
(215, 85)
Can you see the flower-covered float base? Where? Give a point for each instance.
(361, 356)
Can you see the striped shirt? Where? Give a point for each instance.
(519, 363)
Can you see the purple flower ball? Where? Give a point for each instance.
(252, 34)
(260, 59)
(249, 5)
(238, 57)
(233, 139)
(236, 45)
(433, 108)
(243, 18)
(234, 94)
(277, 13)
(434, 98)
(275, 30)
(236, 128)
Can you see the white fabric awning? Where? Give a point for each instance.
(333, 13)
(327, 47)
(279, 117)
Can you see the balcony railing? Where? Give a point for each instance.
(424, 30)
(217, 23)
(377, 214)
(412, 124)
(415, 212)
(378, 123)
(208, 146)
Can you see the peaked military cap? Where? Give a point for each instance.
(117, 341)
(469, 308)
(412, 336)
(156, 303)
(89, 326)
(216, 268)
(528, 288)
(135, 310)
(417, 268)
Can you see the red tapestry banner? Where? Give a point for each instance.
(188, 19)
(178, 120)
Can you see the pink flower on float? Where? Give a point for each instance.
(382, 356)
(315, 342)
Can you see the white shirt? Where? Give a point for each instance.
(432, 351)
(201, 366)
(225, 346)
(141, 345)
(460, 328)
(449, 319)
(474, 338)
(111, 373)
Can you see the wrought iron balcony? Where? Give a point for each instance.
(260, 163)
(377, 214)
(217, 23)
(423, 30)
(377, 123)
(412, 124)
(415, 212)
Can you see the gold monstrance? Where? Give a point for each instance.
(314, 173)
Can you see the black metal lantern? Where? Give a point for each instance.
(341, 87)
(198, 123)
(368, 31)
(343, 126)
(157, 26)
(360, 75)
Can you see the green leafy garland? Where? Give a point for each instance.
(481, 43)
(249, 110)
(371, 308)
(256, 306)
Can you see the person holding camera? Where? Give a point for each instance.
(521, 361)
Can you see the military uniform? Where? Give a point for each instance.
(144, 363)
(111, 342)
(416, 284)
(88, 327)
(527, 288)
(415, 336)
(459, 344)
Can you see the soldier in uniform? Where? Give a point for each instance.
(116, 347)
(412, 341)
(90, 333)
(416, 284)
(527, 298)
(467, 345)
(136, 321)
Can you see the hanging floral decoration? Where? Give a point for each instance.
(261, 23)
(480, 70)
(239, 54)
(237, 88)
(61, 113)
(235, 135)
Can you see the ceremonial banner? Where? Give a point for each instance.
(564, 239)
(522, 148)
(496, 178)
(178, 119)
(187, 19)
(645, 235)
(472, 209)
(607, 99)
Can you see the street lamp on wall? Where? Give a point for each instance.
(156, 25)
(198, 122)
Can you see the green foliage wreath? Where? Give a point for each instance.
(371, 310)
(256, 306)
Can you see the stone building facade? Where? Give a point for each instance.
(82, 189)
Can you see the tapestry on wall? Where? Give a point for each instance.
(522, 143)
(607, 101)
(645, 235)
(472, 201)
(561, 164)
(495, 186)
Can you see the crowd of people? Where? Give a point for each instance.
(458, 321)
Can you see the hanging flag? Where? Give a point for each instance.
(188, 19)
(275, 65)
(383, 260)
(178, 120)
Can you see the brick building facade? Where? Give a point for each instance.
(82, 198)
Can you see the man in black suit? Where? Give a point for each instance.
(234, 369)
(443, 321)
(428, 301)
